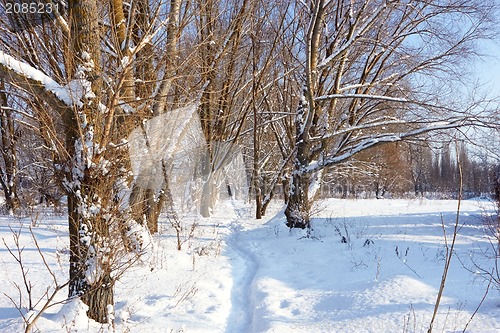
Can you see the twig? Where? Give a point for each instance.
(414, 271)
(479, 305)
(400, 257)
(449, 248)
(18, 258)
(30, 322)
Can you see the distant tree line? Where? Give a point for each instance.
(420, 170)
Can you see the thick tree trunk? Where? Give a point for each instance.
(298, 207)
(99, 298)
(90, 264)
(90, 196)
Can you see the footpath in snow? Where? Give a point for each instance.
(370, 266)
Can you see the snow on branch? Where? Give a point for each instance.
(382, 123)
(342, 49)
(316, 166)
(35, 79)
(386, 81)
(364, 96)
(63, 24)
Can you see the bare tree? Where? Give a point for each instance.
(9, 172)
(377, 72)
(147, 203)
(224, 65)
(87, 89)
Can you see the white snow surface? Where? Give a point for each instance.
(237, 274)
(30, 72)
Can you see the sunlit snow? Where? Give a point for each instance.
(237, 274)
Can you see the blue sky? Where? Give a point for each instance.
(488, 68)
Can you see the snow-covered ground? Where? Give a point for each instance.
(369, 266)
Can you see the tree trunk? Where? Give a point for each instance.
(307, 124)
(297, 210)
(89, 189)
(256, 179)
(98, 297)
(152, 210)
(258, 204)
(266, 202)
(208, 197)
(8, 176)
(147, 203)
(298, 205)
(90, 265)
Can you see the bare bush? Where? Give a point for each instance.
(31, 307)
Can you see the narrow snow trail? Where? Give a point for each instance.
(244, 269)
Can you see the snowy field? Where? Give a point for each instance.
(369, 266)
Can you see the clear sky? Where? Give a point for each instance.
(487, 71)
(488, 68)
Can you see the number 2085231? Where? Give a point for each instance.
(30, 7)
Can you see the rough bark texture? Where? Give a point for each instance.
(298, 206)
(8, 175)
(88, 231)
(98, 293)
(297, 210)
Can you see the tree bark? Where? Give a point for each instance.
(298, 205)
(88, 236)
(297, 210)
(89, 191)
(8, 176)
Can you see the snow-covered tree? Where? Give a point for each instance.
(95, 73)
(375, 72)
(82, 158)
(88, 74)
